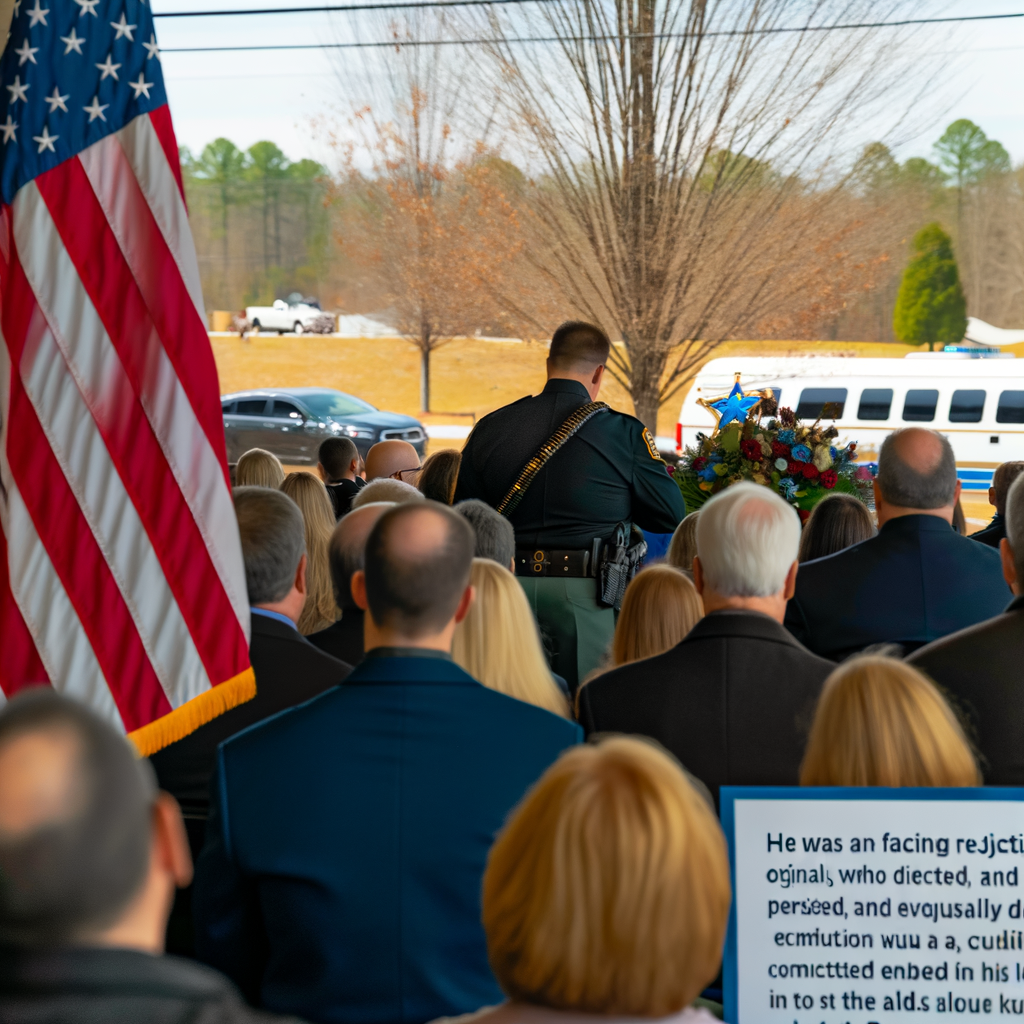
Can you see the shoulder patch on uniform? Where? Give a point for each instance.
(652, 445)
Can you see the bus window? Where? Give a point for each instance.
(875, 404)
(1011, 407)
(966, 406)
(821, 403)
(919, 406)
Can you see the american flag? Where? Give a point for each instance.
(121, 576)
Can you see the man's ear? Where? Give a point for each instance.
(956, 492)
(1009, 565)
(598, 375)
(170, 842)
(789, 588)
(300, 575)
(992, 496)
(320, 471)
(358, 588)
(698, 575)
(465, 603)
(353, 466)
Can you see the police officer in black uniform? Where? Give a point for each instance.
(607, 473)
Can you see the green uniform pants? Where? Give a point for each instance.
(577, 631)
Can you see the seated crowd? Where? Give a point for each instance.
(396, 848)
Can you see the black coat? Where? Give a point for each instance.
(343, 640)
(342, 493)
(980, 670)
(117, 986)
(289, 671)
(733, 700)
(993, 533)
(608, 472)
(914, 582)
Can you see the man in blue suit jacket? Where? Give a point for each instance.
(914, 582)
(348, 837)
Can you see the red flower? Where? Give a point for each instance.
(810, 471)
(804, 514)
(794, 468)
(829, 478)
(751, 449)
(699, 463)
(780, 450)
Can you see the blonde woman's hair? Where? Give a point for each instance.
(309, 493)
(498, 642)
(259, 468)
(880, 722)
(608, 890)
(683, 545)
(660, 607)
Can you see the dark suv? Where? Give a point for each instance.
(291, 423)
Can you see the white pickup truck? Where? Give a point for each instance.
(295, 314)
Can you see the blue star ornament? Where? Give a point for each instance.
(733, 407)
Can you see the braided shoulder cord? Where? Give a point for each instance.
(546, 450)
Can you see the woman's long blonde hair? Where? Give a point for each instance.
(309, 493)
(259, 468)
(608, 890)
(683, 545)
(498, 643)
(660, 607)
(880, 722)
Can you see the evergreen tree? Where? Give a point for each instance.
(930, 305)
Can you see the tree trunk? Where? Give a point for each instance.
(266, 231)
(425, 377)
(645, 380)
(224, 226)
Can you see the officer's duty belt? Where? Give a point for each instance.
(567, 564)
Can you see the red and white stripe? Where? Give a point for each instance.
(123, 579)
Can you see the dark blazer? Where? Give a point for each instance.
(993, 533)
(733, 700)
(343, 640)
(980, 669)
(342, 493)
(87, 986)
(348, 838)
(914, 582)
(288, 671)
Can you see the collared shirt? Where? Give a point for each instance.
(407, 652)
(274, 615)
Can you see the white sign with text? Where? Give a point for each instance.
(875, 908)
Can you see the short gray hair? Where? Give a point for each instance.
(747, 538)
(273, 535)
(495, 536)
(1015, 524)
(386, 489)
(903, 485)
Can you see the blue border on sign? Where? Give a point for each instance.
(728, 795)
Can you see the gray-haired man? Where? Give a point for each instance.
(914, 582)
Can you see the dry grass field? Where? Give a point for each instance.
(469, 377)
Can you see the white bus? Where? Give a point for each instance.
(978, 403)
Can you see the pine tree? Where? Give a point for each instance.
(930, 305)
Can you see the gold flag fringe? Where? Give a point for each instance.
(198, 711)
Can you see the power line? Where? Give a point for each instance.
(532, 39)
(401, 4)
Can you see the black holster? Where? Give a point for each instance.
(621, 560)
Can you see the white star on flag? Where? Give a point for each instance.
(46, 140)
(94, 110)
(108, 67)
(17, 7)
(9, 129)
(38, 14)
(154, 50)
(56, 101)
(141, 86)
(27, 53)
(122, 28)
(17, 90)
(88, 7)
(74, 42)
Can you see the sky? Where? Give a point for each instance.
(289, 96)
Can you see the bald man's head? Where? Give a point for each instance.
(348, 548)
(917, 469)
(75, 821)
(418, 559)
(386, 458)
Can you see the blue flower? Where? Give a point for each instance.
(787, 436)
(716, 456)
(801, 453)
(708, 473)
(788, 487)
(832, 451)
